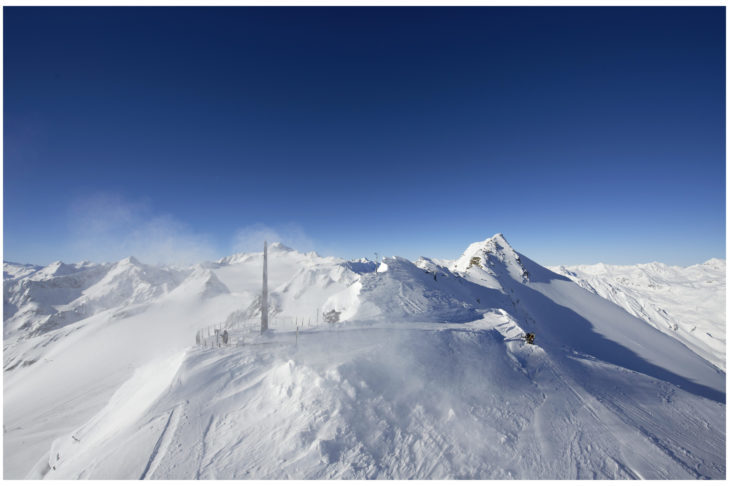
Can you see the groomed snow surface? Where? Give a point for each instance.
(426, 376)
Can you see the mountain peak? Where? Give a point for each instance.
(714, 262)
(493, 245)
(58, 269)
(497, 240)
(202, 282)
(494, 255)
(130, 260)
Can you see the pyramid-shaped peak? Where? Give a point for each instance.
(58, 268)
(493, 255)
(130, 260)
(494, 244)
(206, 282)
(498, 239)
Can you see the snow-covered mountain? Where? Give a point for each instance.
(425, 375)
(689, 303)
(59, 294)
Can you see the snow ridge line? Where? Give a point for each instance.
(163, 442)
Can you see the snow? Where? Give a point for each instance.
(688, 303)
(426, 375)
(18, 270)
(95, 438)
(407, 292)
(399, 401)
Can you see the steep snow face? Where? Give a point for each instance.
(687, 303)
(567, 316)
(488, 262)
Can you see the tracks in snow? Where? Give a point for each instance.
(163, 443)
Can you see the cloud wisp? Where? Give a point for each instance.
(250, 238)
(108, 227)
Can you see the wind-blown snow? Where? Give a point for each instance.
(424, 377)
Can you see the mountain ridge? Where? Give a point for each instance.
(355, 392)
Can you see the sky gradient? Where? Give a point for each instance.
(583, 134)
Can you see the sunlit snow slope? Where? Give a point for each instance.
(424, 377)
(688, 303)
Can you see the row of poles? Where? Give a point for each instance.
(221, 335)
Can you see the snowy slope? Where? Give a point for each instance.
(403, 291)
(59, 294)
(568, 316)
(403, 401)
(688, 303)
(425, 377)
(64, 375)
(99, 323)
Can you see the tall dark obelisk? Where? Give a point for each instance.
(264, 295)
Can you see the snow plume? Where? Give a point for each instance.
(250, 238)
(108, 227)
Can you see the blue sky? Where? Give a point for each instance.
(582, 134)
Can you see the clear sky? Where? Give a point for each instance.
(582, 134)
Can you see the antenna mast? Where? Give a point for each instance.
(264, 294)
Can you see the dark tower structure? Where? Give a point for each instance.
(264, 295)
